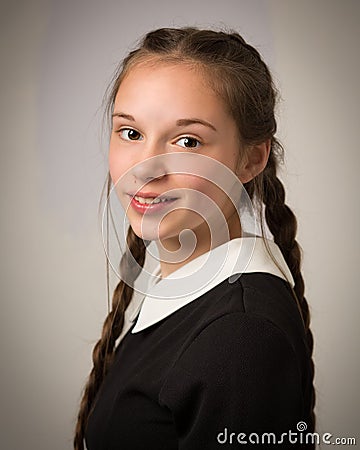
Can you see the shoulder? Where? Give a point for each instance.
(243, 355)
(249, 327)
(240, 343)
(240, 369)
(248, 302)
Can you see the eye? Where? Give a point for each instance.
(129, 134)
(188, 142)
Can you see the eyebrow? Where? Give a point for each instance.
(179, 123)
(123, 115)
(185, 122)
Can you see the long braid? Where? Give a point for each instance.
(283, 226)
(132, 261)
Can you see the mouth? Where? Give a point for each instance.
(150, 202)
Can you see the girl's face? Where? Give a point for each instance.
(168, 109)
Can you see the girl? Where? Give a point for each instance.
(219, 352)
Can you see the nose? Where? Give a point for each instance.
(153, 165)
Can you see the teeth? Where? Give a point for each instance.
(150, 200)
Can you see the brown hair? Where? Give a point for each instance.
(242, 79)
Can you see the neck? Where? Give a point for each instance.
(177, 251)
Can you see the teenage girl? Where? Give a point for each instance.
(213, 358)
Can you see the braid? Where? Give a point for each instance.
(132, 261)
(283, 226)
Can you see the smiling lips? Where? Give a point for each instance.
(150, 201)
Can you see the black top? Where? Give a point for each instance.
(235, 360)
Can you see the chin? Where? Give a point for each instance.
(145, 232)
(151, 232)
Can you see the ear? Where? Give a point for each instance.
(254, 161)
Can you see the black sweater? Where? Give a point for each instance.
(235, 360)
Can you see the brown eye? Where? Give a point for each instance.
(130, 135)
(188, 142)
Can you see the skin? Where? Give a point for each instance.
(149, 103)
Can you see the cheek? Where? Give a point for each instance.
(118, 164)
(192, 184)
(203, 195)
(205, 186)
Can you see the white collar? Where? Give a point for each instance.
(198, 276)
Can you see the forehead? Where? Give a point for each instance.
(179, 88)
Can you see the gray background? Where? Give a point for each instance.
(56, 60)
